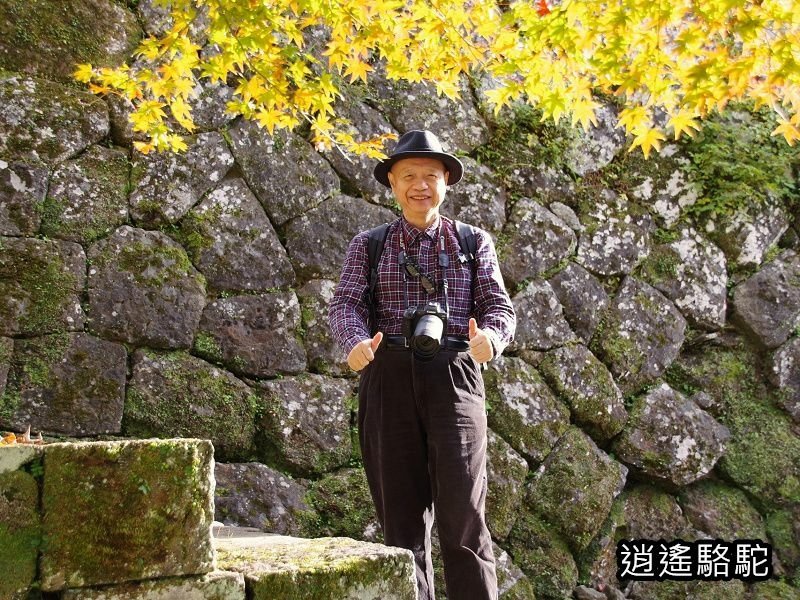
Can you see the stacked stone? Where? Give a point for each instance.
(657, 358)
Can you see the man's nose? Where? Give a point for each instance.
(421, 184)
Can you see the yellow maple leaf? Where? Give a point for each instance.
(357, 69)
(684, 121)
(83, 73)
(789, 131)
(647, 139)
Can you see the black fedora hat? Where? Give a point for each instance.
(419, 144)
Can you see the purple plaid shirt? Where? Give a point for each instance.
(349, 313)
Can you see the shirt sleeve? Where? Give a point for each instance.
(493, 309)
(348, 314)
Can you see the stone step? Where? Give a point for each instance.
(276, 566)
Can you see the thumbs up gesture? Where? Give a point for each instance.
(480, 346)
(363, 352)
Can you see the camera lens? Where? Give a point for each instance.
(427, 336)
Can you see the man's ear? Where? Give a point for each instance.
(446, 177)
(390, 176)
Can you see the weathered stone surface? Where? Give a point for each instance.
(767, 305)
(785, 375)
(298, 569)
(640, 335)
(47, 122)
(217, 585)
(575, 487)
(748, 408)
(582, 297)
(661, 183)
(121, 511)
(721, 511)
(594, 148)
(479, 198)
(745, 236)
(543, 556)
(540, 320)
(523, 410)
(317, 241)
(696, 590)
(22, 190)
(616, 237)
(18, 455)
(324, 355)
(254, 495)
(456, 123)
(6, 350)
(541, 181)
(71, 383)
(175, 394)
(512, 584)
(233, 244)
(583, 592)
(506, 471)
(344, 505)
(670, 438)
(773, 590)
(19, 532)
(167, 184)
(783, 528)
(652, 514)
(40, 286)
(253, 335)
(305, 427)
(690, 272)
(87, 196)
(156, 20)
(356, 170)
(38, 38)
(144, 290)
(566, 214)
(208, 103)
(537, 242)
(586, 386)
(287, 176)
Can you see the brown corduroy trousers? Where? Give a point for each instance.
(422, 428)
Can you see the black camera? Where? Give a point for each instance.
(424, 328)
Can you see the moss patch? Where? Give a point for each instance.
(19, 533)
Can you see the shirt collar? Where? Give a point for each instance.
(412, 234)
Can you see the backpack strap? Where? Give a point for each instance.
(376, 240)
(468, 242)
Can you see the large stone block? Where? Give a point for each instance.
(217, 585)
(19, 531)
(22, 189)
(506, 472)
(540, 320)
(320, 569)
(123, 511)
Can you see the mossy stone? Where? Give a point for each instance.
(721, 511)
(20, 534)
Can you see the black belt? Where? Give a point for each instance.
(450, 342)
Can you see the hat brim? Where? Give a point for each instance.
(452, 165)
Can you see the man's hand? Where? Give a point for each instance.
(364, 352)
(480, 346)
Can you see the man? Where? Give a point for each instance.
(422, 418)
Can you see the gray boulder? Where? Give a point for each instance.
(356, 170)
(596, 147)
(287, 176)
(143, 290)
(324, 354)
(456, 123)
(582, 297)
(540, 321)
(479, 198)
(22, 190)
(175, 395)
(40, 39)
(506, 471)
(46, 122)
(540, 180)
(87, 198)
(305, 426)
(785, 375)
(586, 386)
(640, 335)
(70, 383)
(256, 336)
(616, 235)
(670, 438)
(690, 272)
(512, 583)
(41, 283)
(575, 486)
(167, 184)
(767, 305)
(233, 244)
(254, 495)
(156, 20)
(522, 409)
(721, 511)
(317, 241)
(662, 184)
(537, 242)
(652, 514)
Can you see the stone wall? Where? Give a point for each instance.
(653, 389)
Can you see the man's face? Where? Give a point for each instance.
(419, 184)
